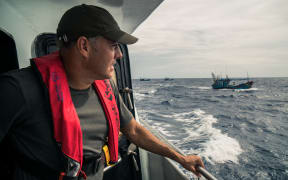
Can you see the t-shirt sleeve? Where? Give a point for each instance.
(124, 113)
(12, 104)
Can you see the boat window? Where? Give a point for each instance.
(123, 75)
(9, 60)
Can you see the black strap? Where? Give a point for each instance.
(38, 170)
(71, 178)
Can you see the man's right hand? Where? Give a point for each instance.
(190, 163)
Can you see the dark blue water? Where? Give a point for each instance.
(240, 134)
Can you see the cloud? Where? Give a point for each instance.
(212, 34)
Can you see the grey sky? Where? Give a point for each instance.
(192, 38)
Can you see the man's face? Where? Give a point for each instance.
(102, 57)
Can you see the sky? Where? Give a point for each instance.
(192, 38)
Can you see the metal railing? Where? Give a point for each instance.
(205, 173)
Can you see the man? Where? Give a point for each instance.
(60, 91)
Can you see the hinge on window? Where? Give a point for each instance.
(127, 93)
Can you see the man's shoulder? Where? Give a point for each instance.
(24, 77)
(23, 72)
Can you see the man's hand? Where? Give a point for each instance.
(190, 163)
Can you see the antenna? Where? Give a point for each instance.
(213, 76)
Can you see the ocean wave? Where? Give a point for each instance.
(139, 96)
(166, 103)
(200, 87)
(171, 89)
(204, 88)
(220, 148)
(197, 135)
(246, 90)
(212, 123)
(225, 96)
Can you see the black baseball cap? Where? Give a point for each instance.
(91, 21)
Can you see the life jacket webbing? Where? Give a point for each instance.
(105, 91)
(67, 130)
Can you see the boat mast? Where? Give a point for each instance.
(213, 76)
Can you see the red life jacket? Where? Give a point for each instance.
(67, 130)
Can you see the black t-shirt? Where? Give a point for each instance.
(26, 124)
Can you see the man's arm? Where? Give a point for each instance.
(140, 136)
(11, 104)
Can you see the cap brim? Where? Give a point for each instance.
(121, 37)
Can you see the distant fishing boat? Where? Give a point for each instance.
(145, 79)
(168, 79)
(224, 83)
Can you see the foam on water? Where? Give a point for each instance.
(197, 126)
(152, 91)
(199, 87)
(204, 88)
(220, 147)
(139, 96)
(245, 90)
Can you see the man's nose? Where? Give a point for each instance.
(118, 54)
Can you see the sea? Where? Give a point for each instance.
(239, 134)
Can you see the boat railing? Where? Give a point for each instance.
(205, 173)
(202, 171)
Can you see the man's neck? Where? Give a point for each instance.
(75, 73)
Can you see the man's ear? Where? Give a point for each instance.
(83, 46)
